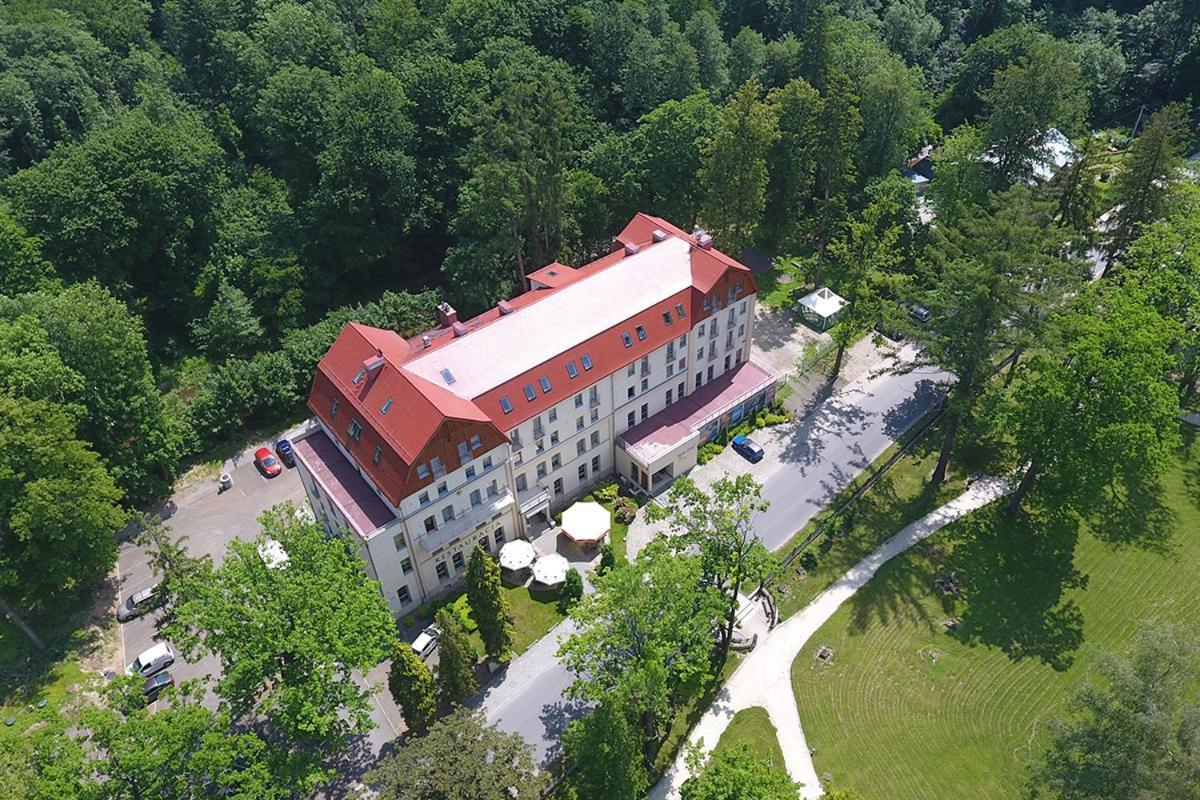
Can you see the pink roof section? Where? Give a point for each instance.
(648, 440)
(341, 483)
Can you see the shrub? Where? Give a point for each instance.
(808, 560)
(624, 509)
(608, 559)
(708, 452)
(607, 493)
(571, 591)
(461, 608)
(409, 620)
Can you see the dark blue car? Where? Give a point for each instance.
(283, 449)
(748, 448)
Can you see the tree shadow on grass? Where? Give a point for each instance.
(1012, 575)
(1135, 516)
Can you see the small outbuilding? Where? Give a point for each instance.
(586, 522)
(821, 308)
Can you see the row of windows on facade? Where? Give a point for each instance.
(468, 474)
(448, 513)
(443, 572)
(581, 472)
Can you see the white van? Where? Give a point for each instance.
(151, 661)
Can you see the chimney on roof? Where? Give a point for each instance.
(505, 308)
(446, 315)
(631, 248)
(658, 235)
(373, 363)
(425, 340)
(458, 328)
(703, 239)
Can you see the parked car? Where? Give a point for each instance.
(918, 313)
(748, 448)
(426, 643)
(156, 683)
(267, 463)
(138, 603)
(156, 659)
(283, 449)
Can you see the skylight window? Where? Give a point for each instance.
(358, 376)
(572, 370)
(387, 406)
(627, 339)
(530, 394)
(447, 376)
(505, 404)
(667, 317)
(544, 382)
(586, 360)
(679, 312)
(641, 332)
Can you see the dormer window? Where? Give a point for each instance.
(586, 360)
(355, 430)
(679, 312)
(667, 317)
(530, 394)
(627, 339)
(572, 370)
(333, 407)
(641, 333)
(544, 382)
(505, 404)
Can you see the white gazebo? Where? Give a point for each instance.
(517, 555)
(586, 522)
(821, 308)
(550, 569)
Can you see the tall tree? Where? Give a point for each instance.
(962, 175)
(737, 774)
(460, 758)
(1133, 730)
(792, 161)
(718, 524)
(59, 508)
(734, 171)
(1145, 181)
(230, 327)
(411, 685)
(456, 660)
(993, 269)
(289, 636)
(22, 266)
(1095, 413)
(606, 749)
(1041, 90)
(863, 271)
(895, 114)
(489, 605)
(668, 145)
(644, 638)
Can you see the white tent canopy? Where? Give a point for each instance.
(550, 570)
(517, 555)
(821, 307)
(586, 522)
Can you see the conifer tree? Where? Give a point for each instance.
(489, 606)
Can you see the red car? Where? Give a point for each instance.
(267, 462)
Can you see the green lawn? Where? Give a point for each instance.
(534, 614)
(899, 497)
(780, 286)
(907, 708)
(753, 726)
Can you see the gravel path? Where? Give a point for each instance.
(764, 678)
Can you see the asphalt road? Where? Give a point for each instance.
(804, 467)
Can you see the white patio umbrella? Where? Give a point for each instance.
(586, 522)
(517, 555)
(550, 570)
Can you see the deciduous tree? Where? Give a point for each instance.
(737, 774)
(230, 326)
(962, 175)
(717, 523)
(460, 758)
(606, 748)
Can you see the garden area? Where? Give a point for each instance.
(945, 669)
(534, 613)
(752, 727)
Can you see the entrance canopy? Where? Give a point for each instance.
(550, 570)
(586, 522)
(517, 555)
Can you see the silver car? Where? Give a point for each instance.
(137, 604)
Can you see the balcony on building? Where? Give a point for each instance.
(467, 522)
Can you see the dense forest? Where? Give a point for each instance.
(195, 195)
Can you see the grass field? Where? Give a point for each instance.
(534, 614)
(753, 727)
(909, 709)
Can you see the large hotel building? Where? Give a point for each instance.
(473, 432)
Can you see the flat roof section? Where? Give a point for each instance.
(650, 440)
(340, 482)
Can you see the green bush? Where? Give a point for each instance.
(624, 509)
(808, 560)
(571, 591)
(608, 559)
(607, 493)
(461, 608)
(708, 452)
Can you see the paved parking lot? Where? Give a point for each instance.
(209, 521)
